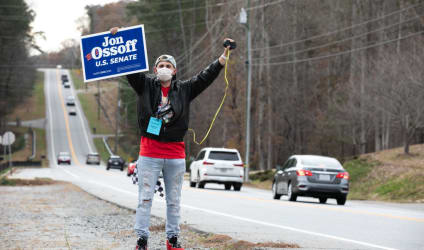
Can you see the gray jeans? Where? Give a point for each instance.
(173, 176)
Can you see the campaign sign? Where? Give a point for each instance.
(105, 55)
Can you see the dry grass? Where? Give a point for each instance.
(108, 98)
(260, 184)
(32, 107)
(157, 228)
(397, 158)
(393, 176)
(219, 241)
(23, 182)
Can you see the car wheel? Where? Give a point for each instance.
(107, 168)
(87, 163)
(201, 185)
(275, 195)
(227, 186)
(290, 195)
(128, 174)
(237, 186)
(122, 168)
(322, 200)
(341, 200)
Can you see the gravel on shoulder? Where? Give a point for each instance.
(58, 215)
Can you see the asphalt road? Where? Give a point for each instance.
(250, 215)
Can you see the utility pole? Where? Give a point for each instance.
(244, 20)
(117, 119)
(98, 99)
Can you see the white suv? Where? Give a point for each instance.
(217, 165)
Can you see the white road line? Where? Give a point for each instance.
(79, 109)
(47, 87)
(69, 172)
(286, 227)
(250, 220)
(211, 211)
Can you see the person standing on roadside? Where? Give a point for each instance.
(163, 107)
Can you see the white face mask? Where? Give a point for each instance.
(164, 74)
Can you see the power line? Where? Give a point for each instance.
(337, 31)
(338, 41)
(340, 53)
(211, 5)
(166, 12)
(265, 5)
(179, 27)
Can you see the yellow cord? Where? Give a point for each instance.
(219, 108)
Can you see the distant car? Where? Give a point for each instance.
(63, 157)
(70, 100)
(131, 167)
(66, 85)
(93, 158)
(72, 111)
(64, 77)
(115, 161)
(59, 66)
(217, 165)
(311, 175)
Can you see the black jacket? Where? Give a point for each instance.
(148, 90)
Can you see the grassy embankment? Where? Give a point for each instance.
(76, 76)
(31, 109)
(388, 175)
(87, 98)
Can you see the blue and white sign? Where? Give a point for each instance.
(105, 55)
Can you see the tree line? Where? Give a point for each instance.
(17, 71)
(337, 78)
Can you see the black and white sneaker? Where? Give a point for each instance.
(173, 244)
(141, 244)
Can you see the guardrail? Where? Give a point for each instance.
(107, 145)
(5, 165)
(34, 145)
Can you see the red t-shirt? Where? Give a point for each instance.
(157, 149)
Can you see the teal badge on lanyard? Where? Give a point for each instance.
(154, 126)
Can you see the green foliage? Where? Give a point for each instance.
(77, 79)
(409, 187)
(89, 106)
(262, 176)
(7, 182)
(101, 149)
(39, 95)
(19, 143)
(4, 171)
(358, 169)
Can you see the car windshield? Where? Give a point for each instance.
(316, 161)
(70, 98)
(64, 153)
(225, 156)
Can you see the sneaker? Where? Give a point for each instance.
(141, 244)
(173, 244)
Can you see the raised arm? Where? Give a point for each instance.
(135, 80)
(204, 79)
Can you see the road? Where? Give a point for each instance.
(250, 215)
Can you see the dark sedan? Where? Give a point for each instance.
(115, 161)
(311, 175)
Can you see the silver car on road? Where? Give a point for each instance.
(311, 175)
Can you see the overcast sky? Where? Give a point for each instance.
(57, 19)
